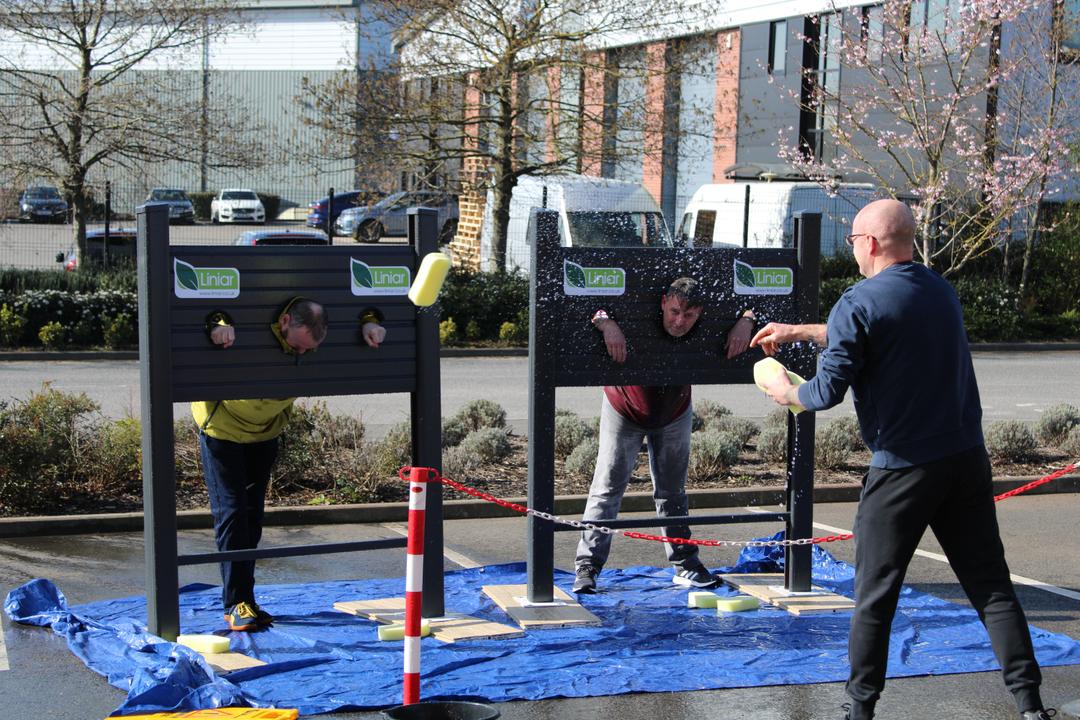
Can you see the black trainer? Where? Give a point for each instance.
(585, 582)
(698, 577)
(1038, 714)
(852, 711)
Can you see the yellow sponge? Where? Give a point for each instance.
(429, 279)
(204, 643)
(737, 603)
(702, 600)
(768, 369)
(396, 631)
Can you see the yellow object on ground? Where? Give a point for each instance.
(397, 631)
(768, 369)
(429, 279)
(738, 603)
(237, 713)
(702, 599)
(204, 643)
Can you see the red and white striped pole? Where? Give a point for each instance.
(414, 580)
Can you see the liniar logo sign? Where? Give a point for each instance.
(196, 282)
(751, 280)
(578, 280)
(378, 279)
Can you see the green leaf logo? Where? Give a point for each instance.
(744, 274)
(185, 275)
(575, 274)
(361, 273)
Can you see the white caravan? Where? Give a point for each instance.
(718, 215)
(593, 212)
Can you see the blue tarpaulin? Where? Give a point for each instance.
(320, 660)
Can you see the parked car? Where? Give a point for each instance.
(282, 237)
(236, 205)
(42, 203)
(180, 208)
(342, 201)
(121, 249)
(388, 217)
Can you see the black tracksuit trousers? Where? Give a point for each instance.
(953, 497)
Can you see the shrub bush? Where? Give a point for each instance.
(1054, 424)
(52, 335)
(116, 467)
(472, 330)
(772, 444)
(393, 451)
(12, 325)
(1010, 441)
(707, 412)
(712, 452)
(570, 430)
(581, 463)
(454, 430)
(200, 200)
(271, 203)
(990, 308)
(15, 282)
(744, 430)
(488, 444)
(846, 430)
(448, 334)
(457, 462)
(42, 450)
(118, 332)
(776, 418)
(1071, 444)
(831, 448)
(478, 414)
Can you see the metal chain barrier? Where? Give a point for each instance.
(582, 525)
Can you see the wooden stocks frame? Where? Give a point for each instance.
(569, 284)
(179, 286)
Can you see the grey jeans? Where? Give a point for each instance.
(669, 455)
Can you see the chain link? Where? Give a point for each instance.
(582, 525)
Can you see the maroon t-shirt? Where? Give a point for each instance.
(650, 406)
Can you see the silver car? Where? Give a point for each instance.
(180, 208)
(389, 217)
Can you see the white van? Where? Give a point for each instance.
(715, 214)
(593, 212)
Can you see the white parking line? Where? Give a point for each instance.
(3, 653)
(451, 555)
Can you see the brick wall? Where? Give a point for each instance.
(726, 112)
(465, 247)
(652, 172)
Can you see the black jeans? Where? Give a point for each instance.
(236, 478)
(954, 498)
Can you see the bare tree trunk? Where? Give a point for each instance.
(1029, 250)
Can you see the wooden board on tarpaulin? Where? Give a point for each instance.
(769, 587)
(449, 628)
(563, 612)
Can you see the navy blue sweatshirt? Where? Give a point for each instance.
(898, 341)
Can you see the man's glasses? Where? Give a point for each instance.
(850, 239)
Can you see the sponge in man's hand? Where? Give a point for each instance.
(429, 279)
(204, 643)
(767, 369)
(396, 631)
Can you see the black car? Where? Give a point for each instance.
(42, 203)
(180, 208)
(120, 250)
(282, 237)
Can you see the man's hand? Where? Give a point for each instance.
(780, 389)
(223, 335)
(373, 334)
(738, 337)
(613, 339)
(773, 335)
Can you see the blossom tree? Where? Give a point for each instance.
(939, 113)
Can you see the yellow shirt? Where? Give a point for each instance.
(242, 421)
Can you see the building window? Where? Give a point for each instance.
(703, 230)
(1067, 21)
(872, 31)
(821, 85)
(777, 47)
(933, 19)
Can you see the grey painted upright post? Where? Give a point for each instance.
(800, 465)
(541, 545)
(155, 382)
(427, 416)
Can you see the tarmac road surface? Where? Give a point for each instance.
(46, 681)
